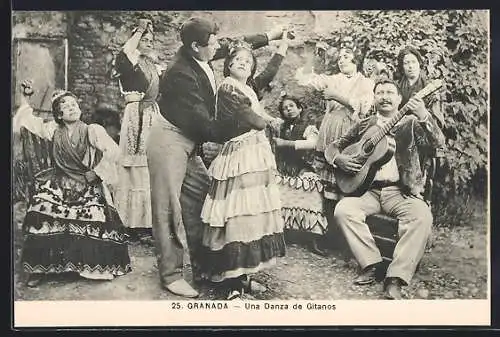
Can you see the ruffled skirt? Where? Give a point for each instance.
(243, 226)
(302, 203)
(68, 233)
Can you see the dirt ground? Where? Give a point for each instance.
(456, 267)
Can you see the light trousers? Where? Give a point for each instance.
(415, 223)
(179, 184)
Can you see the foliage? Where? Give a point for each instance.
(455, 45)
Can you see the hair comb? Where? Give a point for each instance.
(348, 43)
(239, 44)
(58, 93)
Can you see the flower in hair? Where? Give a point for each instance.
(239, 44)
(347, 43)
(58, 93)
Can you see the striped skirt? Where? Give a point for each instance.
(243, 226)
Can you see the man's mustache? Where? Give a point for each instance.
(385, 102)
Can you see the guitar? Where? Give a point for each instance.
(374, 149)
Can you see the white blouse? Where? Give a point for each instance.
(99, 139)
(358, 88)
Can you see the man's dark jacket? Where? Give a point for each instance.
(415, 142)
(187, 99)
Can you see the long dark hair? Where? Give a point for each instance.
(406, 51)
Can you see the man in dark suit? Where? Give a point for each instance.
(179, 180)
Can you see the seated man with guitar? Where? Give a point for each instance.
(379, 165)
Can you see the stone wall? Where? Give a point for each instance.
(94, 35)
(39, 24)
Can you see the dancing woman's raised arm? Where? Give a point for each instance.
(24, 117)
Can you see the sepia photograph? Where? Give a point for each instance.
(250, 167)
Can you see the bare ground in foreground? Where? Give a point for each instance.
(456, 267)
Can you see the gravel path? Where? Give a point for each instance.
(455, 268)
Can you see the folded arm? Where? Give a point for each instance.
(130, 51)
(267, 75)
(126, 63)
(429, 133)
(436, 109)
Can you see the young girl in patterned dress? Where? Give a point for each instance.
(300, 187)
(243, 231)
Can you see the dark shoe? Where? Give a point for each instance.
(201, 279)
(34, 280)
(392, 288)
(316, 250)
(133, 236)
(367, 276)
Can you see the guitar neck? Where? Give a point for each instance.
(388, 126)
(429, 89)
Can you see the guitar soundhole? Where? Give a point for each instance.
(368, 147)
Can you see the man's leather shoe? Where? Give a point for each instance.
(367, 276)
(393, 288)
(182, 288)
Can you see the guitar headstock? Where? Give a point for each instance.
(431, 87)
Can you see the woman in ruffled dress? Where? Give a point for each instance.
(71, 224)
(139, 83)
(243, 231)
(349, 96)
(300, 187)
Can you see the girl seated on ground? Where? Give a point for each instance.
(300, 186)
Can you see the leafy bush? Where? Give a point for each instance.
(455, 45)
